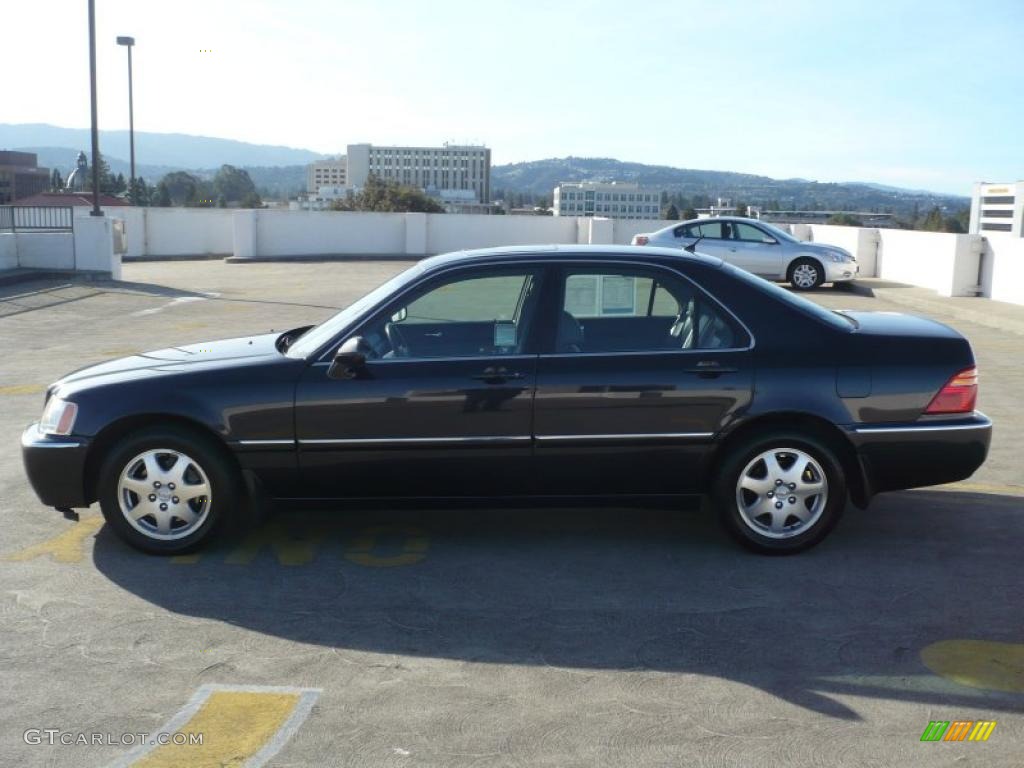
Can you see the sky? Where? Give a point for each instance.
(917, 93)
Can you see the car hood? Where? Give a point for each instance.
(207, 353)
(898, 324)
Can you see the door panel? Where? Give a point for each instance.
(633, 423)
(417, 428)
(646, 369)
(442, 405)
(750, 252)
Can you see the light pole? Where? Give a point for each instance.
(129, 42)
(95, 123)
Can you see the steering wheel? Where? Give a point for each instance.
(396, 340)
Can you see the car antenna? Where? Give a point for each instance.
(692, 247)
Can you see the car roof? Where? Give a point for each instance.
(706, 220)
(596, 252)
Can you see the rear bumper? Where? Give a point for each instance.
(55, 467)
(897, 456)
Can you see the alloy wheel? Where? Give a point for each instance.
(805, 275)
(781, 493)
(164, 494)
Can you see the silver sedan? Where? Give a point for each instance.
(759, 248)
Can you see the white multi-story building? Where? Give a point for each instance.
(436, 170)
(997, 208)
(326, 173)
(612, 200)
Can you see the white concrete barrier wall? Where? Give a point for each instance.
(862, 242)
(328, 233)
(625, 228)
(449, 232)
(1004, 257)
(46, 250)
(94, 246)
(8, 250)
(946, 263)
(157, 232)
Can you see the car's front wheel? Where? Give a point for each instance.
(780, 493)
(806, 274)
(166, 490)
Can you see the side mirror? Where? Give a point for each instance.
(349, 360)
(400, 315)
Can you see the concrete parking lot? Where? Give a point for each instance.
(507, 637)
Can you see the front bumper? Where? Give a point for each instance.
(897, 456)
(55, 467)
(836, 272)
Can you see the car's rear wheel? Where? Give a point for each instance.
(167, 490)
(781, 492)
(806, 274)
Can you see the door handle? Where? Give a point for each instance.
(709, 369)
(434, 335)
(497, 375)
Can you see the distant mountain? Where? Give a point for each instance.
(173, 150)
(539, 177)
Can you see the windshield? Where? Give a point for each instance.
(795, 300)
(319, 335)
(781, 234)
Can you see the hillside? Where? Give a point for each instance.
(539, 177)
(175, 150)
(280, 171)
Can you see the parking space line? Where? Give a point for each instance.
(414, 547)
(983, 664)
(23, 389)
(67, 547)
(999, 490)
(240, 726)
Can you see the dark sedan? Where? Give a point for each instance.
(642, 374)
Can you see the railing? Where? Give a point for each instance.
(50, 218)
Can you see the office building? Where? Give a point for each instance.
(21, 176)
(438, 171)
(997, 208)
(326, 173)
(611, 200)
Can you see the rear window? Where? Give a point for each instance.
(795, 300)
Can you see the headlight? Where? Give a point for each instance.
(58, 417)
(840, 257)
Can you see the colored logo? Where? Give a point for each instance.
(958, 730)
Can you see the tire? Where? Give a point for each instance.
(185, 471)
(805, 274)
(747, 503)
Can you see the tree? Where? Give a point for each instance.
(182, 188)
(252, 200)
(672, 214)
(952, 224)
(233, 184)
(56, 181)
(934, 221)
(163, 195)
(689, 213)
(844, 220)
(141, 194)
(388, 196)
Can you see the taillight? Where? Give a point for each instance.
(640, 240)
(958, 395)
